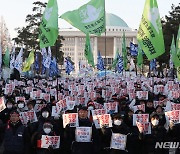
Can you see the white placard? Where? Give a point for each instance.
(83, 134)
(2, 104)
(71, 119)
(50, 141)
(140, 118)
(118, 141)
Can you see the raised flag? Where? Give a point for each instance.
(132, 65)
(48, 30)
(29, 61)
(178, 47)
(19, 61)
(119, 66)
(36, 63)
(124, 52)
(139, 57)
(133, 49)
(69, 66)
(153, 65)
(6, 58)
(88, 51)
(89, 18)
(115, 60)
(53, 69)
(178, 73)
(12, 59)
(150, 35)
(173, 51)
(47, 60)
(100, 62)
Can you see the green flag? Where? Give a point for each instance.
(29, 62)
(173, 52)
(115, 60)
(178, 47)
(124, 52)
(139, 57)
(6, 58)
(150, 35)
(88, 51)
(89, 18)
(48, 30)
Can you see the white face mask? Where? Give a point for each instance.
(117, 122)
(9, 106)
(20, 105)
(90, 108)
(155, 122)
(45, 114)
(47, 130)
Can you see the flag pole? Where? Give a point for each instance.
(105, 50)
(57, 73)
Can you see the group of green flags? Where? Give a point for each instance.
(90, 19)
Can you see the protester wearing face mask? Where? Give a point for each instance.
(48, 129)
(5, 114)
(20, 106)
(14, 135)
(118, 127)
(74, 144)
(158, 134)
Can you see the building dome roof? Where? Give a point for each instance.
(113, 20)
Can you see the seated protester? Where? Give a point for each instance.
(149, 107)
(118, 127)
(37, 140)
(158, 134)
(5, 114)
(160, 112)
(14, 135)
(74, 144)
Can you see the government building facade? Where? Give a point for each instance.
(108, 43)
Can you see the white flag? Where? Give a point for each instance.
(19, 61)
(132, 65)
(12, 61)
(46, 57)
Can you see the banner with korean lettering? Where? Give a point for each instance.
(105, 120)
(71, 119)
(140, 118)
(50, 141)
(173, 116)
(118, 141)
(144, 127)
(2, 104)
(83, 134)
(150, 36)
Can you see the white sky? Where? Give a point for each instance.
(14, 11)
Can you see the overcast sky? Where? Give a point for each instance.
(14, 11)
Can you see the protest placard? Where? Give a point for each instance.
(71, 119)
(105, 120)
(83, 134)
(144, 127)
(50, 141)
(140, 118)
(118, 141)
(2, 104)
(173, 116)
(142, 95)
(111, 107)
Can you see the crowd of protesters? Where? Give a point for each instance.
(88, 94)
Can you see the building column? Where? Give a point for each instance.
(76, 55)
(115, 46)
(95, 50)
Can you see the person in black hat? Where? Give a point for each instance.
(75, 144)
(118, 127)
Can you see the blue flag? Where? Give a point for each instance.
(53, 69)
(153, 64)
(36, 64)
(100, 62)
(133, 49)
(119, 66)
(69, 66)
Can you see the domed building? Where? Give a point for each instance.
(107, 44)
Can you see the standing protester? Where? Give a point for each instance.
(14, 135)
(76, 145)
